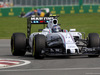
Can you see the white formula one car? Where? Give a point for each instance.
(53, 41)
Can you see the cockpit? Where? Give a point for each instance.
(56, 29)
(53, 25)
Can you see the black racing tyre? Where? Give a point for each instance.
(38, 49)
(18, 44)
(47, 14)
(93, 41)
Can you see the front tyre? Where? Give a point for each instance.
(38, 49)
(18, 44)
(93, 41)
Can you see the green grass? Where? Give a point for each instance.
(88, 23)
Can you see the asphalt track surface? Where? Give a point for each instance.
(74, 65)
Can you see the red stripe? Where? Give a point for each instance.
(64, 30)
(63, 38)
(5, 63)
(71, 36)
(49, 31)
(41, 21)
(10, 60)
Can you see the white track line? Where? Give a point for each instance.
(93, 73)
(9, 62)
(56, 69)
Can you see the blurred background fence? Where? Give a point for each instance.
(15, 7)
(44, 2)
(49, 2)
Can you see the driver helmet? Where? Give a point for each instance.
(56, 28)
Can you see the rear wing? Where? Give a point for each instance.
(40, 20)
(37, 20)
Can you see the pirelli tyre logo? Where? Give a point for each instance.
(40, 20)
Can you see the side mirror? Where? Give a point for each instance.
(40, 30)
(59, 24)
(72, 30)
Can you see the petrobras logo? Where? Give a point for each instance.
(41, 18)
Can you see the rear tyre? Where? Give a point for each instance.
(93, 41)
(18, 44)
(39, 46)
(47, 14)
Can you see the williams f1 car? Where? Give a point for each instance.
(54, 41)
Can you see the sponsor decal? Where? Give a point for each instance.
(40, 20)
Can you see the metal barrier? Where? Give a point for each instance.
(15, 11)
(53, 2)
(50, 2)
(73, 6)
(44, 2)
(91, 2)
